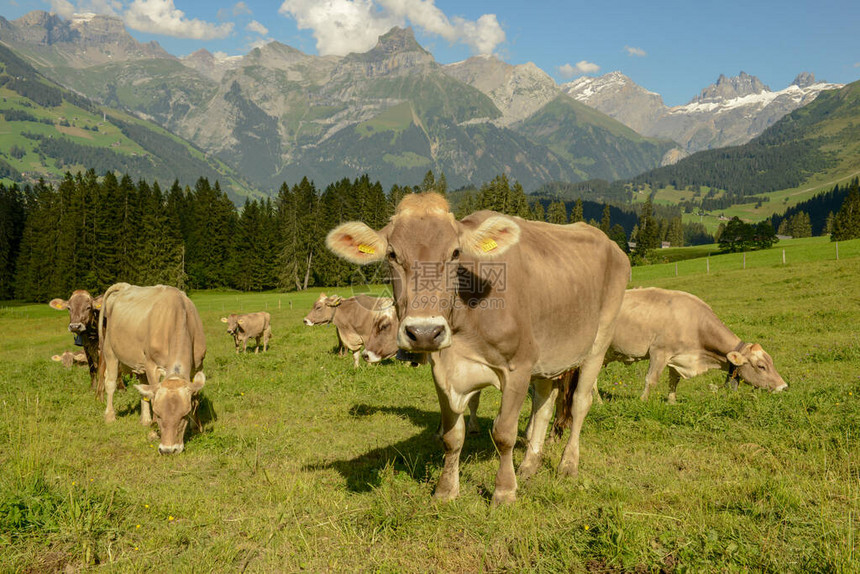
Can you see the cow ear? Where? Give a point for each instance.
(357, 243)
(59, 304)
(223, 319)
(241, 321)
(97, 302)
(57, 358)
(198, 382)
(334, 301)
(736, 358)
(147, 391)
(493, 237)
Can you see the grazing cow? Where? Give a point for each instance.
(352, 317)
(680, 331)
(156, 331)
(69, 358)
(249, 326)
(83, 323)
(500, 301)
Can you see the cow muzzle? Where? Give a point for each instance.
(781, 388)
(370, 356)
(424, 334)
(170, 449)
(77, 327)
(309, 323)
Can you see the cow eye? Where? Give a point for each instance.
(455, 255)
(383, 327)
(392, 256)
(762, 367)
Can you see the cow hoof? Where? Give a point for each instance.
(672, 400)
(110, 417)
(145, 421)
(446, 495)
(501, 497)
(568, 469)
(529, 467)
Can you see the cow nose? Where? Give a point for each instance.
(76, 327)
(425, 336)
(781, 388)
(308, 322)
(164, 449)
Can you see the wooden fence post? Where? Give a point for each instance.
(783, 256)
(708, 264)
(745, 259)
(837, 251)
(676, 268)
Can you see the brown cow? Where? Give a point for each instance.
(83, 323)
(500, 301)
(680, 331)
(352, 317)
(156, 331)
(249, 326)
(69, 358)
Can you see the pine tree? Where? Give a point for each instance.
(619, 236)
(538, 212)
(846, 223)
(557, 213)
(576, 213)
(429, 183)
(648, 237)
(800, 225)
(12, 218)
(675, 232)
(605, 224)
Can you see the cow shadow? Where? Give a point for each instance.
(414, 456)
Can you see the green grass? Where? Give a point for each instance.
(311, 465)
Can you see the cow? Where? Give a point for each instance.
(83, 324)
(496, 300)
(249, 326)
(155, 331)
(352, 317)
(678, 330)
(69, 358)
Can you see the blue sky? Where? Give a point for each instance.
(672, 48)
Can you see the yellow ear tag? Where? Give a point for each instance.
(488, 245)
(366, 249)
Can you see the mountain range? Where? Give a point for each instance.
(278, 114)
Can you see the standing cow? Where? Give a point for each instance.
(249, 326)
(83, 323)
(353, 318)
(499, 301)
(156, 331)
(680, 331)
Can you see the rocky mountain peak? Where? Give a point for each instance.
(397, 41)
(804, 80)
(730, 88)
(396, 51)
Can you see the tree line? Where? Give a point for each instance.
(90, 232)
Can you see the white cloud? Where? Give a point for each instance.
(257, 28)
(63, 8)
(162, 17)
(241, 8)
(343, 26)
(581, 67)
(639, 52)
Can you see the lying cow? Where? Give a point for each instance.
(156, 331)
(353, 318)
(680, 331)
(69, 358)
(501, 301)
(83, 323)
(249, 326)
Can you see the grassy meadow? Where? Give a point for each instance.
(308, 464)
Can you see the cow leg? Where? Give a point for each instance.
(582, 399)
(110, 374)
(473, 427)
(355, 356)
(145, 406)
(453, 434)
(674, 377)
(656, 364)
(514, 392)
(257, 347)
(542, 408)
(245, 345)
(267, 335)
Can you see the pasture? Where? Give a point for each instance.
(311, 465)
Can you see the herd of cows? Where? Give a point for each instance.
(489, 300)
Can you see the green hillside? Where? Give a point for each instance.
(597, 146)
(805, 153)
(46, 131)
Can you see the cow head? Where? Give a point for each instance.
(323, 310)
(172, 402)
(422, 246)
(381, 344)
(755, 366)
(83, 309)
(67, 358)
(232, 323)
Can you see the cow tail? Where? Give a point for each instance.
(564, 402)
